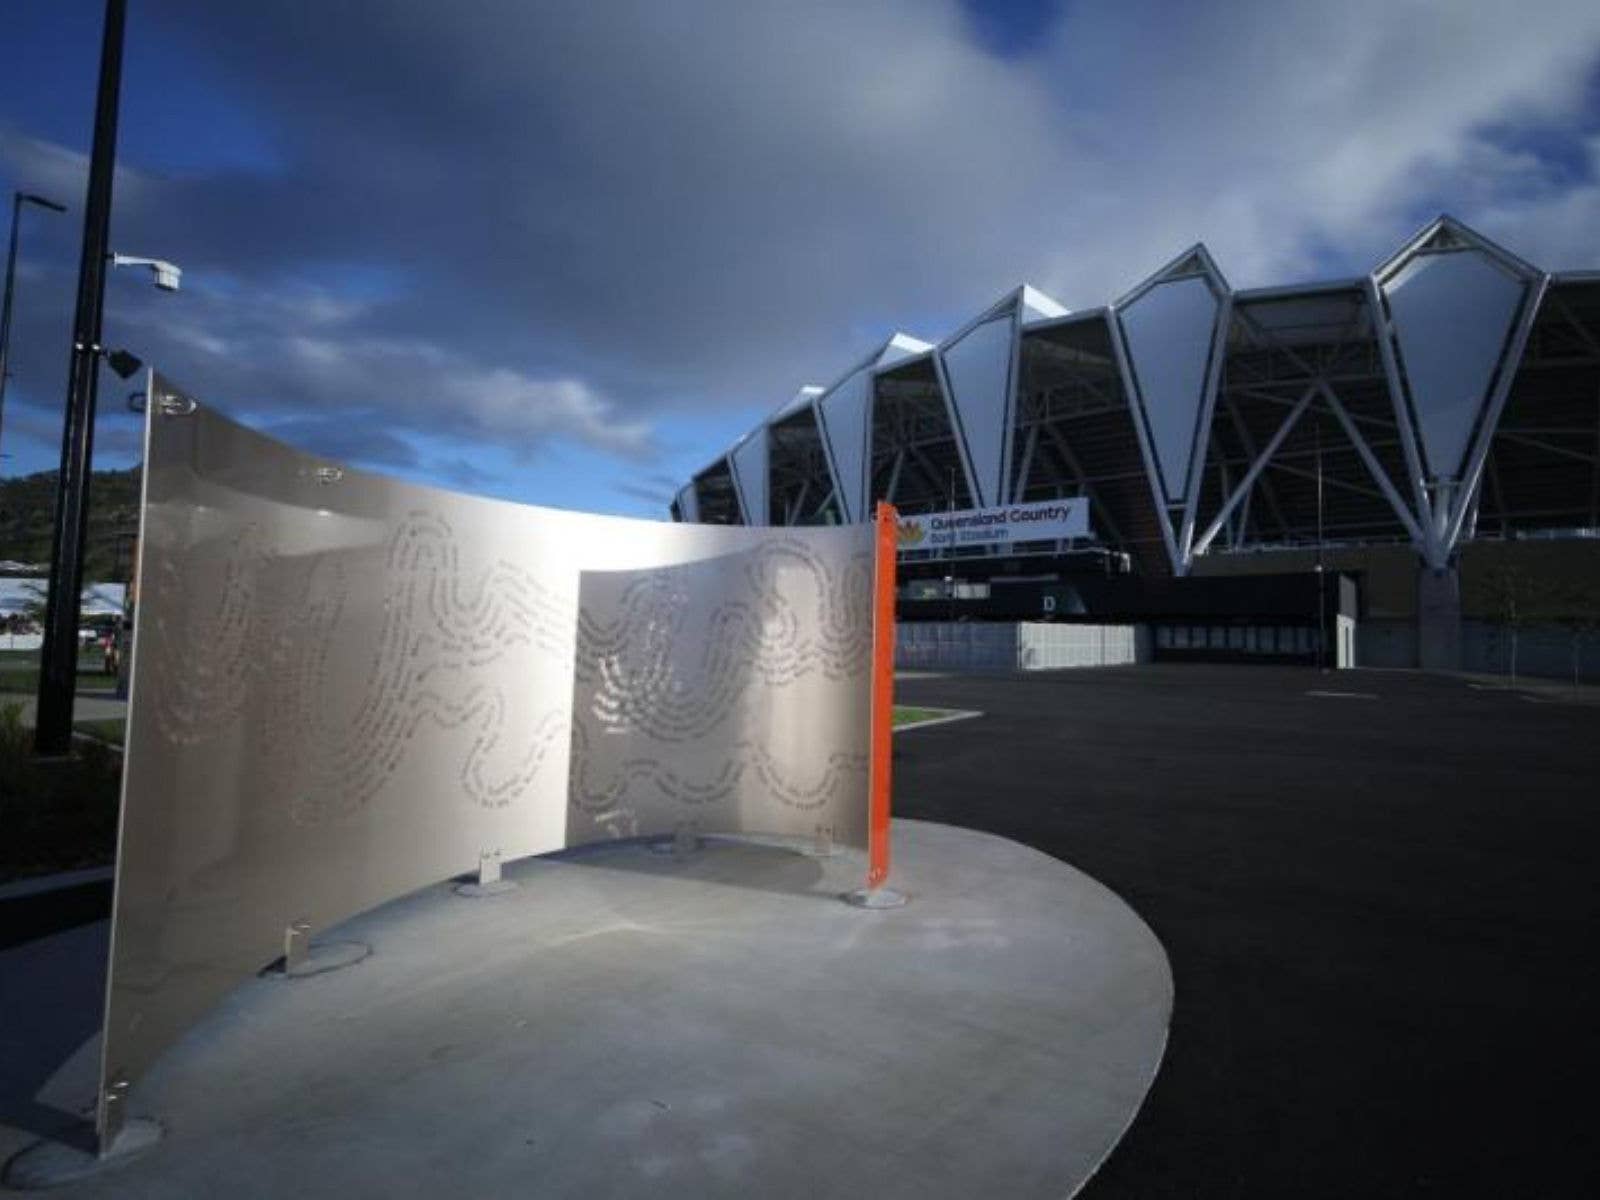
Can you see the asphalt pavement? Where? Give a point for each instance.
(1377, 891)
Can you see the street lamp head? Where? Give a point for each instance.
(167, 275)
(41, 201)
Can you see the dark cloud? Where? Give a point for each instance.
(529, 225)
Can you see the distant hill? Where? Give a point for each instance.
(27, 507)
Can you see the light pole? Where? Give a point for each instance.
(18, 199)
(58, 665)
(950, 551)
(1322, 574)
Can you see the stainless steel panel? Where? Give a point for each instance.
(723, 694)
(347, 687)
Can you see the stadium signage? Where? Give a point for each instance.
(1042, 521)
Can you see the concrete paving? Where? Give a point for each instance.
(1377, 912)
(633, 1024)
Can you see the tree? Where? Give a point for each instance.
(1516, 597)
(1506, 591)
(1580, 617)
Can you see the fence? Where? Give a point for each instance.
(1542, 651)
(1021, 646)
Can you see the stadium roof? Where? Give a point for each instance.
(1453, 392)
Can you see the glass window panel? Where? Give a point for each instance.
(979, 370)
(845, 416)
(1168, 332)
(749, 461)
(1451, 313)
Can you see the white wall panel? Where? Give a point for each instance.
(1021, 646)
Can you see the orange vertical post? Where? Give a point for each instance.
(882, 695)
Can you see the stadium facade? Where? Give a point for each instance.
(1450, 397)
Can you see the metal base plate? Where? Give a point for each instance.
(675, 847)
(875, 898)
(51, 1164)
(322, 957)
(475, 891)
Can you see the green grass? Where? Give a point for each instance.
(19, 673)
(905, 715)
(107, 729)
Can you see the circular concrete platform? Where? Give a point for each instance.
(717, 1024)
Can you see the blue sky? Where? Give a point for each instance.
(565, 254)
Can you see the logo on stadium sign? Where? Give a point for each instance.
(1043, 521)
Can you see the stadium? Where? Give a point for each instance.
(1430, 431)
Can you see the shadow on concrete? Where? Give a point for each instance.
(51, 992)
(760, 864)
(39, 914)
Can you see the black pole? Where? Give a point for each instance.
(1322, 573)
(58, 672)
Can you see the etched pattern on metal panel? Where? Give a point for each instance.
(346, 687)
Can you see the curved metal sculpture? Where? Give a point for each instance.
(347, 687)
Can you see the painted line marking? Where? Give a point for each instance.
(944, 720)
(1347, 695)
